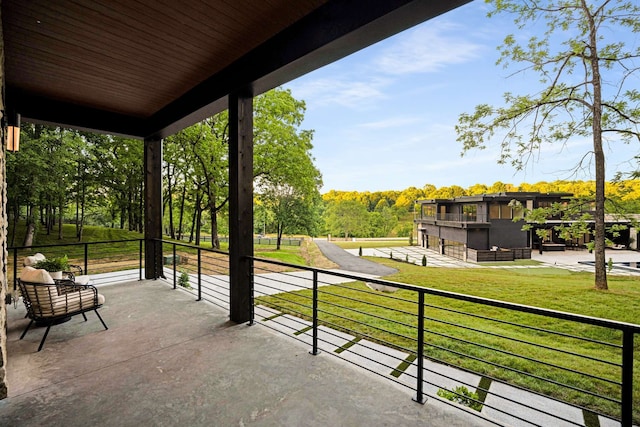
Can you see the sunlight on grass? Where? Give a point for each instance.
(462, 333)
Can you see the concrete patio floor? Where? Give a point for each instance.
(169, 360)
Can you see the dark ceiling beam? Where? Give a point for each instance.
(332, 32)
(43, 110)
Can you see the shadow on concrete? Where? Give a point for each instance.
(170, 360)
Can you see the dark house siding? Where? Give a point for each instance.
(507, 234)
(478, 238)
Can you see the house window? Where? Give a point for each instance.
(428, 211)
(505, 211)
(469, 212)
(494, 211)
(500, 211)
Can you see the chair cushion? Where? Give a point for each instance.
(31, 260)
(82, 280)
(30, 274)
(75, 301)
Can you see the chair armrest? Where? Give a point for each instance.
(68, 285)
(75, 269)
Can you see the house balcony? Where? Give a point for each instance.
(459, 220)
(323, 349)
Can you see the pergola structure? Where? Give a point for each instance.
(147, 69)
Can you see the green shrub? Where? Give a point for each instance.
(463, 396)
(184, 280)
(54, 264)
(424, 260)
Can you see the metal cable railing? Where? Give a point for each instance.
(510, 362)
(583, 364)
(106, 261)
(200, 271)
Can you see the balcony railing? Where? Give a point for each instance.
(516, 363)
(107, 262)
(458, 217)
(523, 363)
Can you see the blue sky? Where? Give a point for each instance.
(384, 117)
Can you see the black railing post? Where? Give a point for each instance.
(86, 258)
(140, 260)
(314, 350)
(420, 359)
(253, 307)
(15, 269)
(199, 274)
(174, 266)
(627, 378)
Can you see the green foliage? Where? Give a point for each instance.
(463, 396)
(184, 280)
(404, 230)
(610, 265)
(347, 218)
(54, 264)
(424, 260)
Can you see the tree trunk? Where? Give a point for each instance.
(16, 214)
(31, 230)
(279, 228)
(130, 211)
(600, 258)
(60, 221)
(195, 216)
(198, 224)
(215, 239)
(172, 229)
(184, 195)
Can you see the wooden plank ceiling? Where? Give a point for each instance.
(150, 67)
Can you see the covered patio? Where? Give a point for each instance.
(170, 360)
(148, 69)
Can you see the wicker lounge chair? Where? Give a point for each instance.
(49, 301)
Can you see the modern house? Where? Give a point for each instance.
(484, 227)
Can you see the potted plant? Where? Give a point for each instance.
(55, 266)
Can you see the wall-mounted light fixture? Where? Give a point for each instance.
(13, 132)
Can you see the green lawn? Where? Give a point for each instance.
(390, 319)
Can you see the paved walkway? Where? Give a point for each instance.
(347, 261)
(579, 261)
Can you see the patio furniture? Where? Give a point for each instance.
(50, 301)
(74, 273)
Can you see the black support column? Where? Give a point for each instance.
(152, 207)
(240, 204)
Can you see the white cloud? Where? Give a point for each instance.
(341, 90)
(428, 48)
